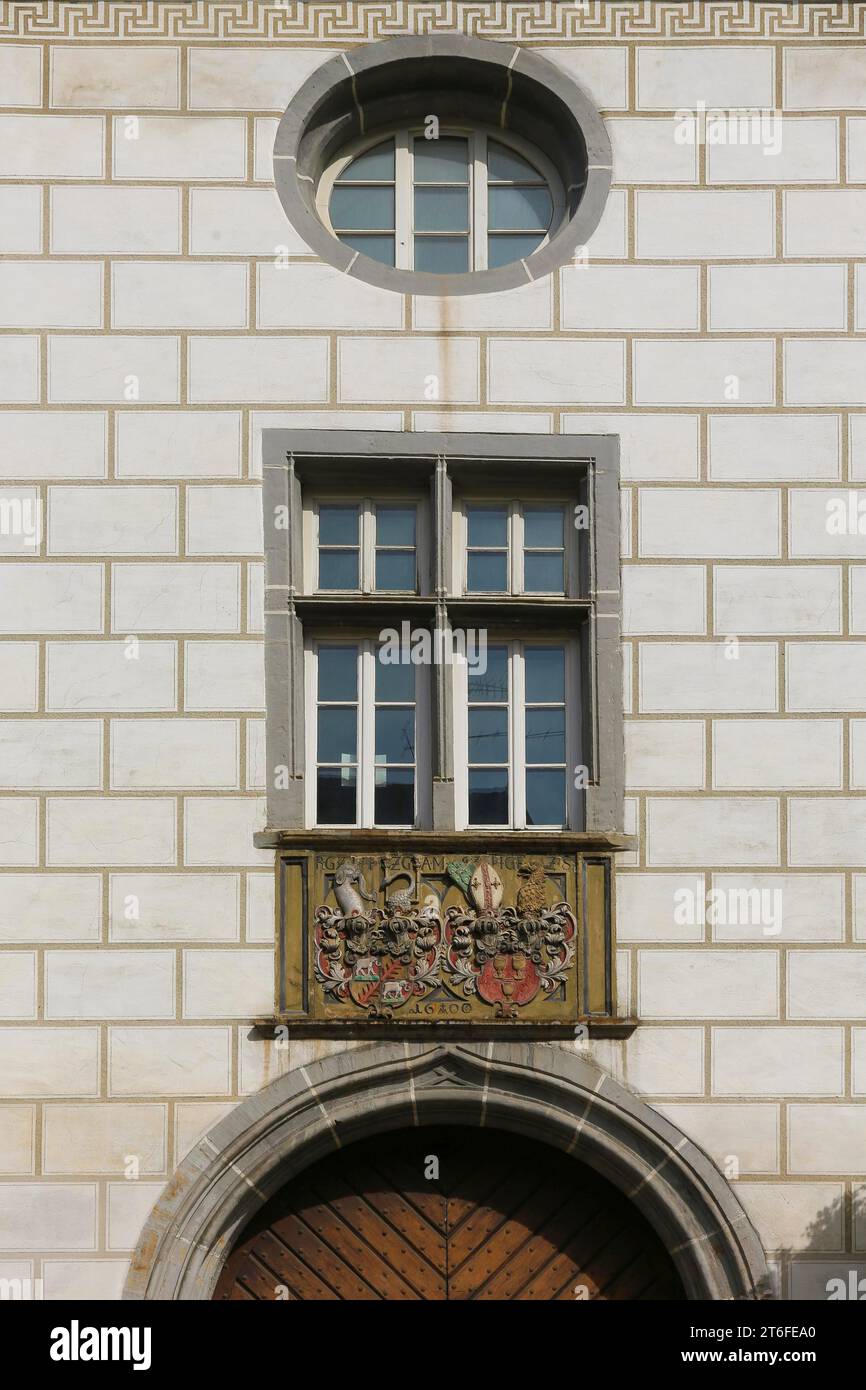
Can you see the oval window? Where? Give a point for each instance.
(466, 200)
(505, 186)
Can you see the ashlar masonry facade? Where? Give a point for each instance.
(574, 374)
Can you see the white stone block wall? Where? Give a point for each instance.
(156, 313)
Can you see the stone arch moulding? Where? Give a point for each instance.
(534, 1089)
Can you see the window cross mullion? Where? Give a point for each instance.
(404, 182)
(518, 737)
(366, 771)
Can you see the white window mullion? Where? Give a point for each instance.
(366, 568)
(457, 577)
(366, 733)
(423, 750)
(403, 170)
(517, 771)
(573, 735)
(515, 559)
(478, 152)
(311, 773)
(460, 692)
(316, 544)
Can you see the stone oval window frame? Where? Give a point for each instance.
(462, 81)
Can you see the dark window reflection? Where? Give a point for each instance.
(336, 796)
(545, 796)
(395, 796)
(488, 796)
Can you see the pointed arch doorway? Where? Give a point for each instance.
(448, 1214)
(524, 1090)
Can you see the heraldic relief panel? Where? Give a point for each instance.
(424, 937)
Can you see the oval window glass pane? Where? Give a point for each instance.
(543, 526)
(395, 570)
(442, 255)
(338, 735)
(545, 735)
(492, 682)
(445, 160)
(395, 525)
(338, 673)
(362, 208)
(518, 209)
(502, 250)
(395, 734)
(372, 166)
(488, 735)
(545, 797)
(545, 675)
(441, 209)
(378, 248)
(503, 163)
(542, 574)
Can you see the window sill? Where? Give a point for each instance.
(355, 840)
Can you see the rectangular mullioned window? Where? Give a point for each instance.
(457, 618)
(364, 735)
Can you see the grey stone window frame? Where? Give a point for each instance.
(298, 463)
(383, 86)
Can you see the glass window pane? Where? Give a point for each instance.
(445, 160)
(394, 797)
(338, 673)
(543, 574)
(394, 681)
(488, 735)
(363, 207)
(441, 210)
(487, 572)
(545, 797)
(545, 675)
(491, 684)
(514, 209)
(502, 250)
(337, 735)
(545, 735)
(488, 796)
(395, 525)
(488, 526)
(338, 569)
(395, 569)
(543, 525)
(338, 525)
(335, 796)
(442, 255)
(378, 248)
(395, 734)
(503, 163)
(374, 164)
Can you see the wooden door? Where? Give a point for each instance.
(506, 1218)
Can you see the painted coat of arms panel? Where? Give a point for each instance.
(420, 937)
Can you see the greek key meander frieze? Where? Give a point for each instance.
(436, 937)
(350, 21)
